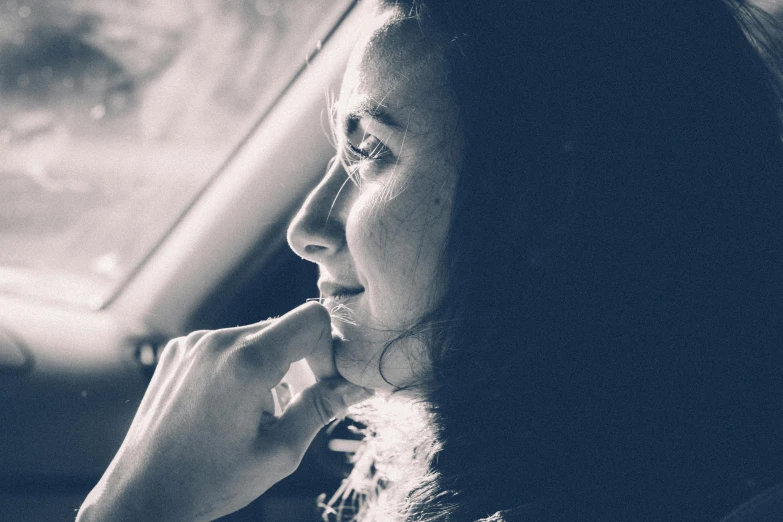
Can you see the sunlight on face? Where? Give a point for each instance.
(377, 223)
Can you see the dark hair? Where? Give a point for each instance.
(615, 294)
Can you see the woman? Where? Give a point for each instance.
(554, 230)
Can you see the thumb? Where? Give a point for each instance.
(314, 408)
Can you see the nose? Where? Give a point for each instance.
(318, 230)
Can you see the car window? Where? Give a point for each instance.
(114, 114)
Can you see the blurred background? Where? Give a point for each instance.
(114, 114)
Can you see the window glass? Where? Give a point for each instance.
(115, 113)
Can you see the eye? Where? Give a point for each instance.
(371, 148)
(364, 160)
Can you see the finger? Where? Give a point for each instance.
(176, 347)
(321, 360)
(246, 329)
(313, 409)
(289, 338)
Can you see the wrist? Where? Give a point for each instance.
(97, 511)
(123, 504)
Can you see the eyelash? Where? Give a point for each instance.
(355, 156)
(378, 152)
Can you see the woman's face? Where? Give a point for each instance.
(377, 223)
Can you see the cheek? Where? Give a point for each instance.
(396, 245)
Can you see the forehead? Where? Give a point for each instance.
(398, 65)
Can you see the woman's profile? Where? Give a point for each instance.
(551, 245)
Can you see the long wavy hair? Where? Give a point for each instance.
(610, 344)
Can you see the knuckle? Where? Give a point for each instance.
(221, 338)
(212, 341)
(169, 351)
(193, 338)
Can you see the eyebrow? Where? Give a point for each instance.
(376, 112)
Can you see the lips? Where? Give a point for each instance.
(339, 292)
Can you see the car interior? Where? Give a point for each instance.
(73, 370)
(195, 231)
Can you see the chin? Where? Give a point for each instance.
(362, 373)
(359, 363)
(353, 364)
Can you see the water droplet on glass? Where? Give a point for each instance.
(23, 80)
(69, 82)
(147, 354)
(108, 265)
(319, 44)
(24, 11)
(18, 39)
(98, 112)
(46, 72)
(84, 393)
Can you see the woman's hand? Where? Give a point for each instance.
(204, 441)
